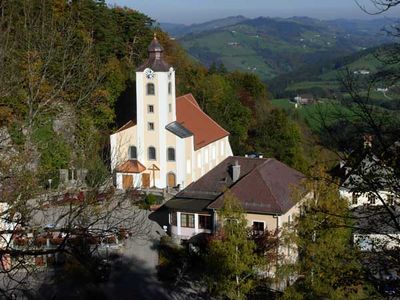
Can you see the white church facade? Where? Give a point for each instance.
(172, 142)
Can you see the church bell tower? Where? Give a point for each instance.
(155, 102)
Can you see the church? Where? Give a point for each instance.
(172, 142)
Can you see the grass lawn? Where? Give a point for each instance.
(313, 114)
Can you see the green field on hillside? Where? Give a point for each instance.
(313, 115)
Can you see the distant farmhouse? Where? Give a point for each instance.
(172, 142)
(361, 72)
(304, 99)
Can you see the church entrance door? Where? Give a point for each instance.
(145, 180)
(127, 181)
(171, 179)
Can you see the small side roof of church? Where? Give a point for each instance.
(156, 58)
(131, 166)
(192, 117)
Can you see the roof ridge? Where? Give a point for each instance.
(190, 98)
(199, 109)
(122, 128)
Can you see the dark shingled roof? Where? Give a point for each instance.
(156, 58)
(193, 205)
(178, 129)
(264, 186)
(266, 189)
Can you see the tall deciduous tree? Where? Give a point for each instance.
(278, 136)
(328, 264)
(231, 261)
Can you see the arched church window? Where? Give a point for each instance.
(152, 153)
(171, 154)
(132, 152)
(150, 89)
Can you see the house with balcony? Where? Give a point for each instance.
(263, 186)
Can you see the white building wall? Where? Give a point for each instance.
(200, 161)
(363, 199)
(113, 150)
(140, 117)
(180, 156)
(137, 180)
(163, 103)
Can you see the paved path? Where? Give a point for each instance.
(144, 248)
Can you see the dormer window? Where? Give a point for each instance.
(150, 89)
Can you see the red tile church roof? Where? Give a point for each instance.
(191, 116)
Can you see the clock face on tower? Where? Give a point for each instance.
(149, 73)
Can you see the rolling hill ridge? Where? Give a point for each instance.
(271, 47)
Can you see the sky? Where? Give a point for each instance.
(195, 11)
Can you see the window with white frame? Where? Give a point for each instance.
(354, 199)
(187, 220)
(171, 154)
(152, 153)
(390, 199)
(204, 222)
(132, 152)
(173, 218)
(150, 89)
(371, 198)
(150, 126)
(150, 109)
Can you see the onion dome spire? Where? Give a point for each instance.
(156, 57)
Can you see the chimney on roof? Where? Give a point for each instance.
(235, 171)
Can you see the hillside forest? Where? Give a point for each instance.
(60, 102)
(67, 81)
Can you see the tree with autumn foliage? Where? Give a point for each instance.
(231, 260)
(328, 266)
(63, 64)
